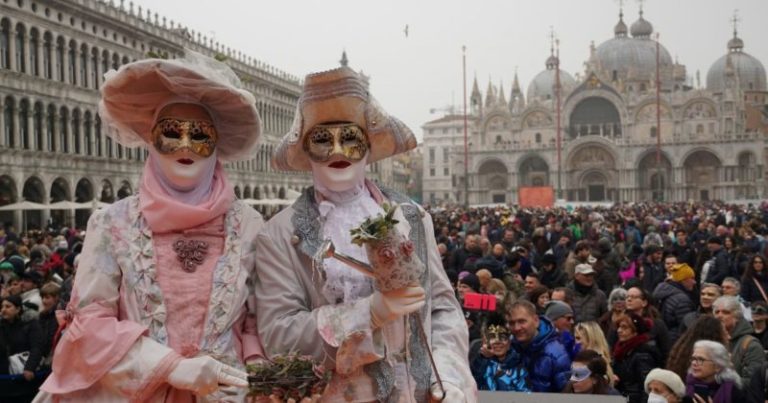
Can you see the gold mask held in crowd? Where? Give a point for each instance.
(347, 139)
(171, 135)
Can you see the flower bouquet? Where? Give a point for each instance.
(285, 377)
(389, 252)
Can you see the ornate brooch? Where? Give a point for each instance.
(190, 253)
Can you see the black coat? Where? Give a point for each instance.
(18, 337)
(633, 369)
(720, 269)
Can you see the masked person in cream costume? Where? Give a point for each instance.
(160, 309)
(327, 309)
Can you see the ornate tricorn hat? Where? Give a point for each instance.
(341, 95)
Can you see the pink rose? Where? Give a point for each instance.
(407, 248)
(386, 254)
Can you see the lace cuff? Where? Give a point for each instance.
(348, 328)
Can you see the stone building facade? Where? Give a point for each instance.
(710, 144)
(53, 55)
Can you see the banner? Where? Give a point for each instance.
(540, 196)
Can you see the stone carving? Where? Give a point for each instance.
(537, 119)
(700, 110)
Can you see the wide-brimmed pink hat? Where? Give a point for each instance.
(341, 95)
(132, 96)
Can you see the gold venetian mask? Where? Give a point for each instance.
(347, 139)
(171, 135)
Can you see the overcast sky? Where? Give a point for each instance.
(410, 75)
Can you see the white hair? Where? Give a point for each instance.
(730, 303)
(722, 359)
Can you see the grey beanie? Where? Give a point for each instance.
(557, 309)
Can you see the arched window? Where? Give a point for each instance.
(109, 147)
(24, 124)
(63, 130)
(21, 36)
(104, 61)
(653, 132)
(538, 138)
(72, 62)
(9, 116)
(60, 68)
(87, 132)
(115, 61)
(76, 131)
(50, 126)
(5, 44)
(83, 67)
(97, 137)
(34, 45)
(95, 68)
(48, 56)
(119, 151)
(37, 127)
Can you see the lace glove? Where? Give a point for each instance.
(387, 306)
(203, 375)
(452, 393)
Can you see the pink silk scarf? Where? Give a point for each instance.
(165, 213)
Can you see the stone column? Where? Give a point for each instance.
(2, 120)
(31, 138)
(27, 64)
(44, 128)
(55, 133)
(64, 61)
(16, 129)
(39, 55)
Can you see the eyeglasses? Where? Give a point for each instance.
(699, 360)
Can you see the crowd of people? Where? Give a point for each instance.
(653, 302)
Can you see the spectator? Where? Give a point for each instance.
(760, 322)
(581, 254)
(670, 260)
(675, 297)
(551, 275)
(746, 351)
(634, 355)
(709, 293)
(47, 319)
(639, 302)
(531, 282)
(564, 294)
(539, 296)
(732, 288)
(617, 304)
(494, 368)
(681, 248)
(540, 352)
(721, 267)
(653, 269)
(30, 287)
(464, 258)
(589, 375)
(483, 278)
(712, 374)
(17, 336)
(707, 327)
(561, 316)
(754, 282)
(663, 386)
(590, 337)
(589, 302)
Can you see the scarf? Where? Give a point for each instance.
(165, 212)
(723, 391)
(623, 348)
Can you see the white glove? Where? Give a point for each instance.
(203, 375)
(387, 306)
(452, 393)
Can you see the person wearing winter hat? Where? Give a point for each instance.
(664, 386)
(161, 308)
(676, 297)
(634, 356)
(345, 321)
(561, 316)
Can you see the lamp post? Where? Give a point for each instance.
(466, 147)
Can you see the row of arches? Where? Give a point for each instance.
(35, 189)
(591, 174)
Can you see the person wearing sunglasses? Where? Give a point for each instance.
(160, 309)
(323, 307)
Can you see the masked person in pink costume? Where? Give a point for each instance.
(327, 309)
(160, 310)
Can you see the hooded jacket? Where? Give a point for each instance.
(545, 359)
(674, 302)
(747, 356)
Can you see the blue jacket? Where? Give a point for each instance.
(546, 360)
(492, 374)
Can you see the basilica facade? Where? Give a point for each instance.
(620, 139)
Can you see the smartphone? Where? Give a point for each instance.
(480, 302)
(701, 390)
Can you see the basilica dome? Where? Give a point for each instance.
(543, 85)
(621, 54)
(750, 71)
